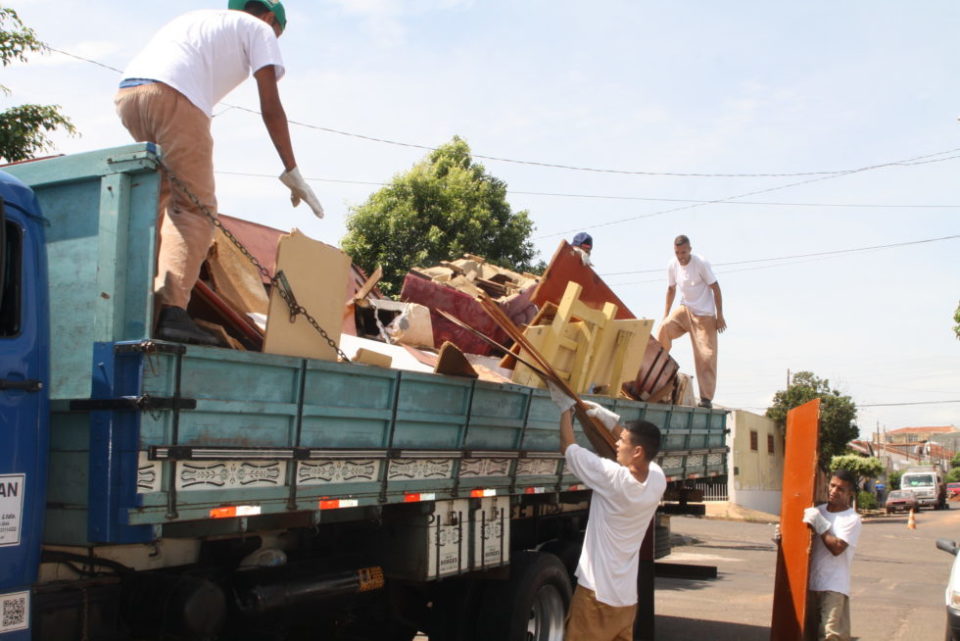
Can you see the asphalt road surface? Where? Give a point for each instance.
(899, 577)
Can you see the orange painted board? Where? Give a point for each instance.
(793, 557)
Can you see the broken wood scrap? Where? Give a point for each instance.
(452, 362)
(598, 435)
(481, 336)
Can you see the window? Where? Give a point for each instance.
(10, 293)
(754, 437)
(770, 443)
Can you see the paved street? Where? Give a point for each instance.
(898, 582)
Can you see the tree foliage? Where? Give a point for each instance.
(956, 319)
(23, 129)
(955, 461)
(863, 467)
(442, 208)
(893, 479)
(837, 412)
(953, 475)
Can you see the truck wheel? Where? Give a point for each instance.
(532, 604)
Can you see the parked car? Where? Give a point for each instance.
(900, 501)
(953, 489)
(952, 595)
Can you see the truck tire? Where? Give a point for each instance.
(532, 605)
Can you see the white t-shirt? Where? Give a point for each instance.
(693, 280)
(206, 54)
(829, 572)
(620, 513)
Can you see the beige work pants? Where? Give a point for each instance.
(591, 620)
(828, 616)
(158, 113)
(703, 335)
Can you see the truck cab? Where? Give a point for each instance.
(24, 402)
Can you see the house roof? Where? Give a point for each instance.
(945, 429)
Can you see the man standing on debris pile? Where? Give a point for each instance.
(167, 97)
(700, 313)
(626, 493)
(837, 526)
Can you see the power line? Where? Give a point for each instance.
(823, 174)
(906, 403)
(609, 197)
(810, 255)
(744, 195)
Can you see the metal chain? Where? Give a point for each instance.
(277, 281)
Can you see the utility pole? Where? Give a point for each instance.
(788, 379)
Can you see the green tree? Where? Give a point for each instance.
(953, 475)
(955, 461)
(442, 208)
(956, 319)
(837, 412)
(863, 467)
(23, 129)
(893, 480)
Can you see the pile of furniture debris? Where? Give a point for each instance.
(568, 316)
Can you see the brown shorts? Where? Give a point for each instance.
(591, 620)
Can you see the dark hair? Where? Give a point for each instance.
(681, 240)
(845, 475)
(256, 8)
(646, 435)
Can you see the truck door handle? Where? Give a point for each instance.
(28, 385)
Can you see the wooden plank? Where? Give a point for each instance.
(318, 275)
(369, 357)
(793, 557)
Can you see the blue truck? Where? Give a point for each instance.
(153, 490)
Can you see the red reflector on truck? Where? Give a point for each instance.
(416, 497)
(233, 511)
(479, 494)
(333, 504)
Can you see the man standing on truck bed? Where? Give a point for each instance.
(700, 313)
(167, 97)
(837, 526)
(626, 493)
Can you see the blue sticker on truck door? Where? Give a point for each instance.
(11, 508)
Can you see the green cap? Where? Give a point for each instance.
(275, 7)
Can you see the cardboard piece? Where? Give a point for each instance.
(401, 356)
(318, 275)
(369, 357)
(235, 278)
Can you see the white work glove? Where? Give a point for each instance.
(813, 518)
(776, 534)
(607, 418)
(559, 398)
(584, 258)
(300, 190)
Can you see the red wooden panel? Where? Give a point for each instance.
(793, 558)
(565, 267)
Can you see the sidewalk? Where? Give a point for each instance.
(727, 511)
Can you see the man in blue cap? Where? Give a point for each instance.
(167, 96)
(583, 243)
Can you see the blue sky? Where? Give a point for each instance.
(661, 87)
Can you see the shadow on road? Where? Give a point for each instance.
(682, 629)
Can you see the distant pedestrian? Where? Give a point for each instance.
(700, 314)
(837, 526)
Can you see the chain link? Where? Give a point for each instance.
(282, 289)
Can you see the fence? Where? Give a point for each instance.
(713, 490)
